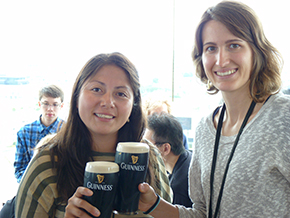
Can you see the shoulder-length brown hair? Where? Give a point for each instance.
(72, 145)
(242, 22)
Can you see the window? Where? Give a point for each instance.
(49, 42)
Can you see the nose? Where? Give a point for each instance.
(107, 100)
(50, 107)
(222, 58)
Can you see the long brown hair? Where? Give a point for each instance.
(72, 145)
(242, 22)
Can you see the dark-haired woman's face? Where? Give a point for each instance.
(227, 59)
(106, 101)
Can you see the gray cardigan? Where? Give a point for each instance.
(258, 180)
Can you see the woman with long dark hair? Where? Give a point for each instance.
(105, 109)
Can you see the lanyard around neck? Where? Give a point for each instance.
(215, 154)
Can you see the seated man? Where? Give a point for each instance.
(165, 132)
(50, 103)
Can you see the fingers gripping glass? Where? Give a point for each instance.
(45, 105)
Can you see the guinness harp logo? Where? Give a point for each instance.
(100, 178)
(134, 159)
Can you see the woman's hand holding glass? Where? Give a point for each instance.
(147, 197)
(77, 206)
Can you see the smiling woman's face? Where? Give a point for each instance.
(106, 101)
(227, 59)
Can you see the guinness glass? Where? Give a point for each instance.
(132, 158)
(102, 178)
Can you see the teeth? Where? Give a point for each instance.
(104, 116)
(226, 73)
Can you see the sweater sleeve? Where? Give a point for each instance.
(37, 195)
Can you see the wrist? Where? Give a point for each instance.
(153, 207)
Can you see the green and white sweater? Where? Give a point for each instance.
(38, 196)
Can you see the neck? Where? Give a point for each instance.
(236, 109)
(46, 122)
(237, 106)
(105, 143)
(170, 161)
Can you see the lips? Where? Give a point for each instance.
(226, 73)
(105, 116)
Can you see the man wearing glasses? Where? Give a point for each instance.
(166, 133)
(50, 103)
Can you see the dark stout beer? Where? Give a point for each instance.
(132, 158)
(102, 178)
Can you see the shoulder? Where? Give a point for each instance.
(184, 160)
(208, 119)
(278, 107)
(30, 125)
(188, 153)
(205, 128)
(39, 169)
(280, 99)
(42, 142)
(26, 129)
(39, 177)
(59, 120)
(41, 157)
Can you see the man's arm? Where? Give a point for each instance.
(22, 156)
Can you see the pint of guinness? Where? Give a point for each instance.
(102, 178)
(132, 158)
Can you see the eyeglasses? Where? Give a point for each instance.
(158, 144)
(45, 105)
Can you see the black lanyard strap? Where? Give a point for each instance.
(215, 154)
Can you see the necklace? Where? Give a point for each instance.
(214, 159)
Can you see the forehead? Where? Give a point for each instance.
(50, 99)
(215, 31)
(110, 73)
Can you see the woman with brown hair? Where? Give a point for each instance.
(105, 109)
(241, 164)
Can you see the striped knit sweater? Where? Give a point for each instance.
(38, 196)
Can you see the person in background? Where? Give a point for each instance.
(105, 109)
(165, 131)
(50, 103)
(153, 105)
(241, 161)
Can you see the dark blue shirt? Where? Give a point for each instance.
(178, 180)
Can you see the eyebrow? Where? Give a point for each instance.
(118, 87)
(48, 102)
(228, 41)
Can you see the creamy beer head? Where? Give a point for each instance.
(102, 167)
(133, 147)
